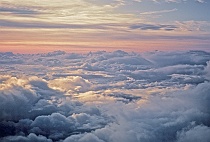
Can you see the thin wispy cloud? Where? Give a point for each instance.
(158, 12)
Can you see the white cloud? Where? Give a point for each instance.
(158, 12)
(201, 1)
(70, 84)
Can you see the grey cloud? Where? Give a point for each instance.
(54, 53)
(9, 23)
(9, 58)
(126, 98)
(18, 10)
(154, 27)
(190, 57)
(51, 25)
(30, 138)
(195, 134)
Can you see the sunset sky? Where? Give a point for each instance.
(32, 26)
(104, 70)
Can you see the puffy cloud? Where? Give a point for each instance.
(161, 118)
(17, 98)
(105, 97)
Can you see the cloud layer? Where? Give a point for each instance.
(105, 97)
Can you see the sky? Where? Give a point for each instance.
(37, 26)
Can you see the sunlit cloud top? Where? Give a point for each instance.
(136, 25)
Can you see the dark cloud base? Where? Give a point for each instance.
(105, 97)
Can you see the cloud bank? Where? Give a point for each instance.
(105, 97)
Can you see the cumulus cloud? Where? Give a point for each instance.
(105, 97)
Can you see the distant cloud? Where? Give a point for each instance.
(172, 1)
(18, 10)
(154, 27)
(137, 0)
(168, 1)
(199, 26)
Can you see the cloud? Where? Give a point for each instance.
(68, 84)
(197, 133)
(30, 138)
(9, 58)
(137, 0)
(158, 12)
(173, 58)
(50, 25)
(17, 99)
(200, 1)
(105, 96)
(206, 70)
(171, 1)
(23, 11)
